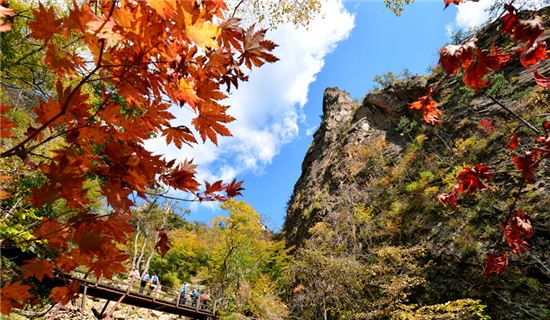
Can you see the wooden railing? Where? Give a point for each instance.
(132, 286)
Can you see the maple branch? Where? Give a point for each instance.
(236, 7)
(517, 116)
(173, 198)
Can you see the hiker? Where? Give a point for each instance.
(153, 283)
(204, 300)
(183, 293)
(194, 297)
(134, 275)
(144, 280)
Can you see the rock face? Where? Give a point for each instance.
(376, 156)
(323, 186)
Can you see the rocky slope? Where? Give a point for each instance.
(368, 187)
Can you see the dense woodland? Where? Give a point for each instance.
(426, 200)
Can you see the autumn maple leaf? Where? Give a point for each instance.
(487, 126)
(513, 142)
(163, 244)
(256, 48)
(66, 293)
(209, 121)
(430, 113)
(45, 24)
(13, 295)
(179, 135)
(528, 30)
(527, 164)
(38, 269)
(516, 230)
(496, 263)
(214, 187)
(6, 124)
(541, 80)
(471, 179)
(234, 189)
(5, 12)
(533, 53)
(182, 177)
(452, 57)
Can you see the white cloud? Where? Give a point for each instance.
(474, 14)
(268, 107)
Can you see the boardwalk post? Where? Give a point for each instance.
(56, 311)
(104, 308)
(108, 316)
(83, 304)
(130, 285)
(178, 299)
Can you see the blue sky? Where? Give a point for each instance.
(380, 42)
(278, 110)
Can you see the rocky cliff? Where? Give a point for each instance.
(364, 211)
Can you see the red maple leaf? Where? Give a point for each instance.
(182, 177)
(487, 126)
(38, 269)
(66, 293)
(527, 164)
(541, 80)
(533, 53)
(234, 189)
(513, 142)
(518, 228)
(452, 57)
(214, 187)
(528, 30)
(510, 19)
(163, 244)
(256, 48)
(179, 135)
(53, 232)
(13, 295)
(471, 179)
(496, 263)
(449, 198)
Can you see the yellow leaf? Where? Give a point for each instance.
(187, 92)
(203, 34)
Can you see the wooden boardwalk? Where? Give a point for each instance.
(128, 293)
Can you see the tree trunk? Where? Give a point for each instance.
(157, 237)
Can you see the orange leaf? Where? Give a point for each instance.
(5, 126)
(45, 24)
(209, 122)
(62, 63)
(179, 135)
(163, 245)
(182, 177)
(13, 295)
(256, 48)
(66, 293)
(37, 268)
(53, 232)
